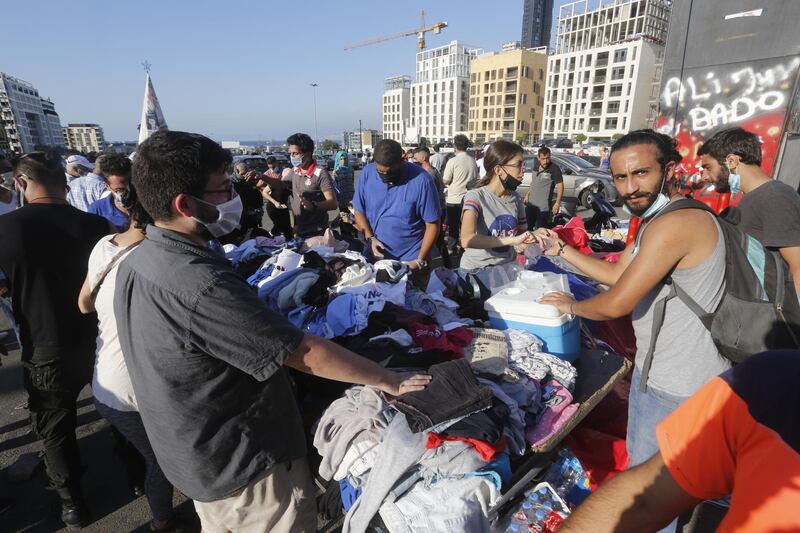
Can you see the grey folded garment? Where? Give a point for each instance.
(488, 352)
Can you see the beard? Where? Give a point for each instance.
(723, 184)
(639, 211)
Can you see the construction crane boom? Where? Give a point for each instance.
(419, 32)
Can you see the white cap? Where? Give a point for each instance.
(80, 160)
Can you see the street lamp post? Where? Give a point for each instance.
(316, 131)
(360, 137)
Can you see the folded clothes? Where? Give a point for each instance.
(390, 271)
(486, 425)
(392, 317)
(429, 336)
(358, 414)
(486, 450)
(487, 352)
(514, 424)
(542, 366)
(452, 392)
(558, 410)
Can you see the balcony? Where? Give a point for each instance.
(601, 63)
(512, 75)
(612, 110)
(511, 89)
(567, 98)
(595, 112)
(599, 79)
(594, 129)
(508, 116)
(510, 101)
(597, 96)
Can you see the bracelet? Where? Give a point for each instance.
(561, 247)
(571, 313)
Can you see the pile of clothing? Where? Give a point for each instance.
(431, 460)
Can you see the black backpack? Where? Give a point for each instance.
(759, 310)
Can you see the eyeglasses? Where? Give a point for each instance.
(518, 166)
(229, 191)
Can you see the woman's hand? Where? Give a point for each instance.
(550, 242)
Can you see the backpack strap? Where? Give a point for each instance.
(658, 321)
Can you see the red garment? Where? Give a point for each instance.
(574, 234)
(431, 337)
(486, 450)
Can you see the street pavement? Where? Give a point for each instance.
(35, 509)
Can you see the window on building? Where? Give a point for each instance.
(620, 55)
(611, 123)
(629, 89)
(523, 98)
(615, 90)
(541, 74)
(617, 73)
(633, 57)
(612, 107)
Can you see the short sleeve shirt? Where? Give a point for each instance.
(205, 358)
(542, 185)
(497, 217)
(311, 184)
(771, 214)
(740, 435)
(397, 214)
(106, 208)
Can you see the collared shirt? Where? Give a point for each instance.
(397, 214)
(310, 184)
(543, 183)
(205, 358)
(461, 175)
(106, 208)
(86, 190)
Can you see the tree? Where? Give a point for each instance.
(522, 137)
(581, 138)
(329, 146)
(616, 137)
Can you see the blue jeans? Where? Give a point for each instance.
(645, 411)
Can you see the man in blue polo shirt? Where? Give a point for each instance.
(116, 176)
(397, 205)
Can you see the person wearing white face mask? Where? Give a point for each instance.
(312, 188)
(207, 358)
(769, 209)
(686, 245)
(113, 207)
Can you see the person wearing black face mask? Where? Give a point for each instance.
(397, 205)
(493, 223)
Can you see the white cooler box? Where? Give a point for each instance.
(515, 307)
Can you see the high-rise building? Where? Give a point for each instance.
(84, 137)
(537, 18)
(28, 119)
(506, 94)
(440, 93)
(396, 107)
(600, 80)
(357, 141)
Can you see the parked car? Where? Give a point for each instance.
(354, 160)
(582, 180)
(593, 147)
(253, 162)
(324, 161)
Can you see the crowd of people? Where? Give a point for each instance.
(117, 279)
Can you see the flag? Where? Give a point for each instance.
(152, 116)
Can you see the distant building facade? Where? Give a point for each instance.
(27, 119)
(84, 138)
(537, 19)
(396, 107)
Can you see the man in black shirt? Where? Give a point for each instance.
(44, 256)
(769, 209)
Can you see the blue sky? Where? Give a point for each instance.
(234, 69)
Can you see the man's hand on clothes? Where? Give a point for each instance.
(377, 248)
(556, 208)
(560, 300)
(412, 265)
(308, 204)
(400, 383)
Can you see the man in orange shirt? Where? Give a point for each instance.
(739, 435)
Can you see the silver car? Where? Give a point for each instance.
(582, 180)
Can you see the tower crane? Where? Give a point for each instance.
(419, 32)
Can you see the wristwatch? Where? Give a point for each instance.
(422, 263)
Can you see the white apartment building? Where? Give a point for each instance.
(84, 137)
(440, 93)
(600, 81)
(27, 119)
(396, 108)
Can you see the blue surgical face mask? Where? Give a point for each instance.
(296, 160)
(735, 182)
(118, 196)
